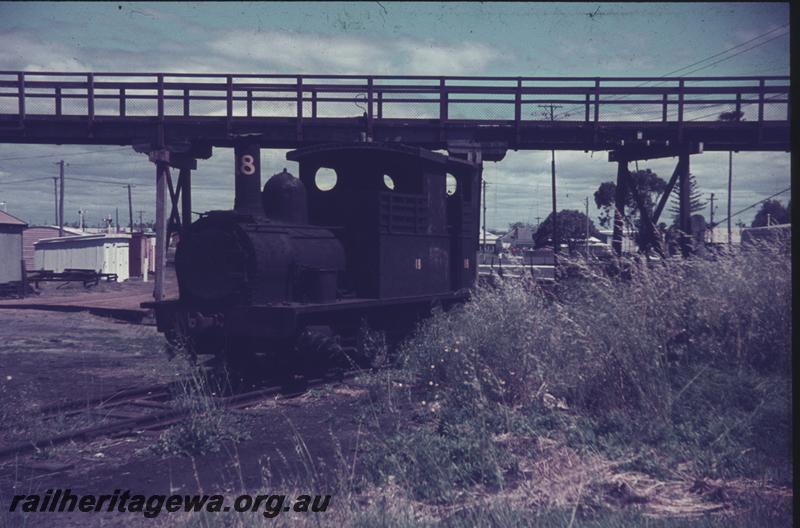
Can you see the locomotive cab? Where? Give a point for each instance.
(404, 232)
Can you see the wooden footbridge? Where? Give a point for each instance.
(178, 118)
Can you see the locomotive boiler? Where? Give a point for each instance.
(369, 236)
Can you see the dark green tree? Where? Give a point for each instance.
(511, 227)
(696, 202)
(571, 228)
(772, 211)
(649, 186)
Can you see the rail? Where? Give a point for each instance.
(512, 100)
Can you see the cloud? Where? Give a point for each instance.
(306, 52)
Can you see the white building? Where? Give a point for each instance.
(104, 253)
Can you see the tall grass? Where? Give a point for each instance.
(678, 366)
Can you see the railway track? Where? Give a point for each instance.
(147, 409)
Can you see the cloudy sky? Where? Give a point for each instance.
(516, 39)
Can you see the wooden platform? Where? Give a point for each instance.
(124, 305)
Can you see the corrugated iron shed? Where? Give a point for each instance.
(10, 247)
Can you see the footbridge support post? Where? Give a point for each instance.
(179, 217)
(642, 149)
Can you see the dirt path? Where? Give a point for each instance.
(46, 357)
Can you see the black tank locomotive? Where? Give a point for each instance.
(298, 276)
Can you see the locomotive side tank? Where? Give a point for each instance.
(229, 258)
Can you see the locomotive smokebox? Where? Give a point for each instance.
(248, 179)
(284, 199)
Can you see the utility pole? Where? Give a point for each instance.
(484, 215)
(55, 198)
(587, 227)
(116, 214)
(130, 210)
(141, 223)
(556, 238)
(711, 218)
(61, 199)
(730, 198)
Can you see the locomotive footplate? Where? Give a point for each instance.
(286, 319)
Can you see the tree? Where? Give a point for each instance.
(571, 228)
(733, 115)
(772, 210)
(696, 202)
(648, 185)
(515, 225)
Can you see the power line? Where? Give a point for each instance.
(25, 181)
(109, 182)
(568, 111)
(110, 151)
(736, 54)
(729, 49)
(751, 206)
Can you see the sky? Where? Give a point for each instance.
(515, 39)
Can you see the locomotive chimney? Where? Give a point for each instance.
(247, 198)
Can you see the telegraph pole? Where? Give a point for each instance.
(484, 215)
(711, 217)
(130, 210)
(556, 240)
(55, 198)
(61, 199)
(587, 227)
(730, 198)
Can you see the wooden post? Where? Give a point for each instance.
(299, 108)
(229, 97)
(130, 210)
(517, 109)
(680, 110)
(685, 221)
(162, 170)
(588, 104)
(61, 198)
(442, 108)
(760, 109)
(596, 110)
(21, 96)
(122, 108)
(185, 180)
(249, 103)
(369, 106)
(730, 198)
(58, 100)
(90, 96)
(664, 106)
(186, 107)
(160, 78)
(314, 104)
(619, 206)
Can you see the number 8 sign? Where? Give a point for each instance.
(247, 165)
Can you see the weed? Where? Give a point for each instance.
(676, 366)
(206, 425)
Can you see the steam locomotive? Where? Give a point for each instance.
(296, 272)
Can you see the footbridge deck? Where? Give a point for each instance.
(289, 111)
